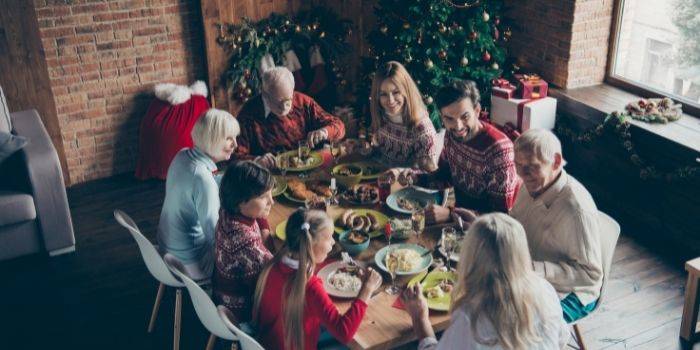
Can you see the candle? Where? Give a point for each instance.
(332, 182)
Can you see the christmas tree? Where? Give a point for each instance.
(438, 40)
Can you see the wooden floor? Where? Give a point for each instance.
(100, 297)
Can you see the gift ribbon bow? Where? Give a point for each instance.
(531, 77)
(501, 83)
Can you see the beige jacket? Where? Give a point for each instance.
(564, 238)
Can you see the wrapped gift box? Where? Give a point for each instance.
(502, 88)
(530, 86)
(524, 114)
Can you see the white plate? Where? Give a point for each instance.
(424, 264)
(329, 269)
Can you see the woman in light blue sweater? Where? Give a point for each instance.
(191, 207)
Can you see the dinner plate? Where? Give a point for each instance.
(381, 219)
(326, 272)
(289, 196)
(424, 197)
(280, 186)
(432, 280)
(368, 166)
(315, 155)
(423, 264)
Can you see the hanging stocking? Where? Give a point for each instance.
(318, 67)
(266, 62)
(291, 61)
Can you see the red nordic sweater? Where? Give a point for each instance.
(318, 310)
(261, 134)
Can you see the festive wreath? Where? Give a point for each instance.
(276, 40)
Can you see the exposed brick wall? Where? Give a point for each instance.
(565, 41)
(104, 57)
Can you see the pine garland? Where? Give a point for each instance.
(619, 123)
(249, 41)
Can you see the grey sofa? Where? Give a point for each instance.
(34, 212)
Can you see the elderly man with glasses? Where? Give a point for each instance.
(280, 117)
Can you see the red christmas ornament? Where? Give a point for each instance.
(473, 35)
(497, 20)
(486, 56)
(496, 33)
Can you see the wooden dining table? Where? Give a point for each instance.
(383, 326)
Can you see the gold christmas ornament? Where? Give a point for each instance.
(442, 28)
(429, 100)
(464, 61)
(495, 66)
(383, 29)
(406, 25)
(322, 35)
(429, 64)
(297, 28)
(486, 17)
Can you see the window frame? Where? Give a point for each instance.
(627, 84)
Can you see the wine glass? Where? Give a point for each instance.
(418, 221)
(384, 185)
(449, 242)
(334, 192)
(303, 152)
(336, 149)
(282, 163)
(393, 289)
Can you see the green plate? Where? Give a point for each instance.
(433, 279)
(381, 218)
(280, 186)
(316, 156)
(367, 174)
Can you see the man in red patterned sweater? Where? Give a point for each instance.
(280, 117)
(477, 159)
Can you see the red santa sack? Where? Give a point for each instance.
(166, 128)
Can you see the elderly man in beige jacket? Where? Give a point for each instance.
(561, 223)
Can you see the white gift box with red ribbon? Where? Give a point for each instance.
(524, 114)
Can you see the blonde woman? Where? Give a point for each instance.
(191, 207)
(290, 304)
(498, 301)
(404, 134)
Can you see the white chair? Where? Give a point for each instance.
(206, 310)
(609, 233)
(247, 342)
(157, 267)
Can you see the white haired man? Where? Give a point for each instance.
(561, 223)
(191, 207)
(280, 117)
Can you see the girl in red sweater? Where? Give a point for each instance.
(290, 303)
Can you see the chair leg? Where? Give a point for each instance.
(156, 306)
(211, 342)
(178, 319)
(690, 308)
(579, 338)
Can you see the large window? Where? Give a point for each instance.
(656, 48)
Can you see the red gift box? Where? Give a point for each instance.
(531, 86)
(502, 88)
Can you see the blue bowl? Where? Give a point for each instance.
(351, 247)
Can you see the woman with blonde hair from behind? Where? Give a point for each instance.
(290, 303)
(498, 301)
(404, 134)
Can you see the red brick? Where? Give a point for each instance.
(149, 31)
(90, 8)
(52, 12)
(113, 45)
(94, 28)
(57, 32)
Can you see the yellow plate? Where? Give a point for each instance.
(316, 156)
(280, 230)
(280, 186)
(381, 218)
(433, 279)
